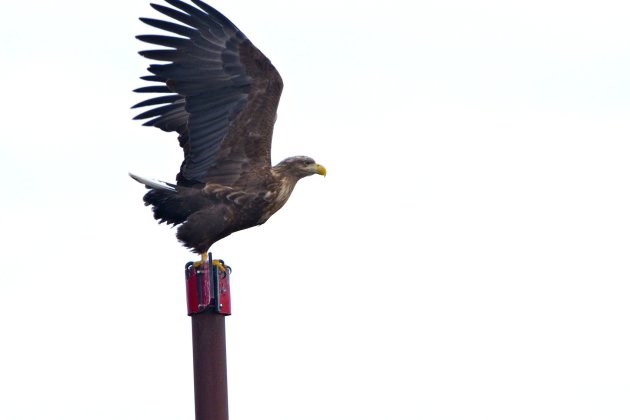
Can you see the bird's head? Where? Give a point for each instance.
(299, 167)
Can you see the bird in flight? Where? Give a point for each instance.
(220, 94)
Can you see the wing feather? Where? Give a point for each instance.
(221, 94)
(156, 101)
(190, 20)
(162, 110)
(153, 89)
(164, 41)
(169, 27)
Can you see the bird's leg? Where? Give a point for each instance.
(204, 257)
(219, 264)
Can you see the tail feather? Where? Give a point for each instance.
(167, 203)
(153, 183)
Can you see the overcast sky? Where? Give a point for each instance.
(465, 258)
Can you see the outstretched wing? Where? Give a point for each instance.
(220, 93)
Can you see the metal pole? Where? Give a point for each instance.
(210, 368)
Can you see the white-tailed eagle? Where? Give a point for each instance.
(220, 94)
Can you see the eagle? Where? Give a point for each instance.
(220, 94)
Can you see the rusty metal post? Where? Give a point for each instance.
(208, 299)
(210, 367)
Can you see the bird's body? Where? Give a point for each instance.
(221, 97)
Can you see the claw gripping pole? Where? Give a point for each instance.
(208, 299)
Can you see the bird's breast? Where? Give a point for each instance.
(276, 198)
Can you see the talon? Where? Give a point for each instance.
(204, 257)
(219, 264)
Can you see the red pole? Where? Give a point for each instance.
(208, 298)
(210, 368)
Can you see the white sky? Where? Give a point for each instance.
(465, 258)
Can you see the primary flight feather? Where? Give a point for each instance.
(220, 94)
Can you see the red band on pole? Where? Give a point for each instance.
(208, 289)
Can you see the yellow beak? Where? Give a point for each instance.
(319, 169)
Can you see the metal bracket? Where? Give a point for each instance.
(208, 288)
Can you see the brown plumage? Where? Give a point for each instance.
(220, 95)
